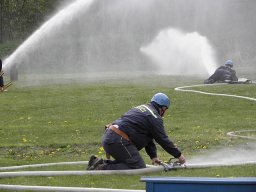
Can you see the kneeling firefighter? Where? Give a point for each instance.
(136, 129)
(223, 74)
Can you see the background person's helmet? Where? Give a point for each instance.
(229, 62)
(161, 99)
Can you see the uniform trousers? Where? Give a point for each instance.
(126, 154)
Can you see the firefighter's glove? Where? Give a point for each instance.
(156, 160)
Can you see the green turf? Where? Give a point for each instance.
(52, 123)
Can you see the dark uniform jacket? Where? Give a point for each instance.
(222, 74)
(143, 125)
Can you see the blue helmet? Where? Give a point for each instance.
(229, 62)
(161, 99)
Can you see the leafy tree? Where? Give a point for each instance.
(20, 18)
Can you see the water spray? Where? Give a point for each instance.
(179, 53)
(62, 17)
(238, 134)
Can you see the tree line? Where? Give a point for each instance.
(19, 18)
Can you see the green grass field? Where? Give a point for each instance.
(65, 122)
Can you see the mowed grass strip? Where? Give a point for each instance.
(65, 123)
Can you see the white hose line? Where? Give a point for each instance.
(43, 165)
(209, 93)
(233, 133)
(95, 172)
(130, 171)
(61, 189)
(149, 169)
(119, 172)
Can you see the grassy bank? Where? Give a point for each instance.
(52, 123)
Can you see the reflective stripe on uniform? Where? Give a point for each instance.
(150, 110)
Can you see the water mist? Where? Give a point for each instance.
(179, 53)
(44, 40)
(233, 155)
(90, 37)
